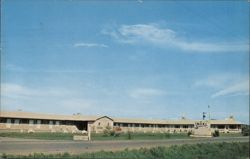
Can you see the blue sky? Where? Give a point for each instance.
(142, 59)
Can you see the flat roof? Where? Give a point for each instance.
(31, 115)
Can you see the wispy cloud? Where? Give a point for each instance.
(166, 38)
(227, 84)
(241, 88)
(29, 99)
(218, 80)
(11, 90)
(83, 44)
(146, 93)
(16, 91)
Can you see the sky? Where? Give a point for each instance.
(133, 59)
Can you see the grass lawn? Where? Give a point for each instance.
(140, 136)
(94, 136)
(69, 136)
(196, 151)
(38, 135)
(230, 134)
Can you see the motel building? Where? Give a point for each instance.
(20, 121)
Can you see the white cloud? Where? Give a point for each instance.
(165, 38)
(146, 93)
(219, 80)
(18, 91)
(15, 90)
(82, 44)
(228, 84)
(241, 88)
(16, 96)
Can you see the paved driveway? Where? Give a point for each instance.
(27, 146)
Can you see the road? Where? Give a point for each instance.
(27, 146)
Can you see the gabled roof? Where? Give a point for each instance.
(104, 117)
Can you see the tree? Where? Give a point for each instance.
(245, 130)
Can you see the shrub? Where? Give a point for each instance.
(216, 133)
(112, 133)
(117, 134)
(129, 135)
(189, 133)
(107, 131)
(4, 155)
(65, 155)
(117, 131)
(108, 127)
(245, 130)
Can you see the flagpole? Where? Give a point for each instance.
(208, 112)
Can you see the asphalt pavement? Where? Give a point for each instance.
(27, 146)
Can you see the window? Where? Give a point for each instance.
(51, 122)
(213, 126)
(38, 122)
(69, 122)
(45, 122)
(24, 121)
(185, 126)
(17, 121)
(161, 126)
(31, 122)
(146, 125)
(63, 122)
(221, 126)
(136, 125)
(177, 126)
(9, 121)
(3, 120)
(232, 126)
(125, 125)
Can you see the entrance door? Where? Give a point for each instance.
(81, 125)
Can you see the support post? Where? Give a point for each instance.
(89, 131)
